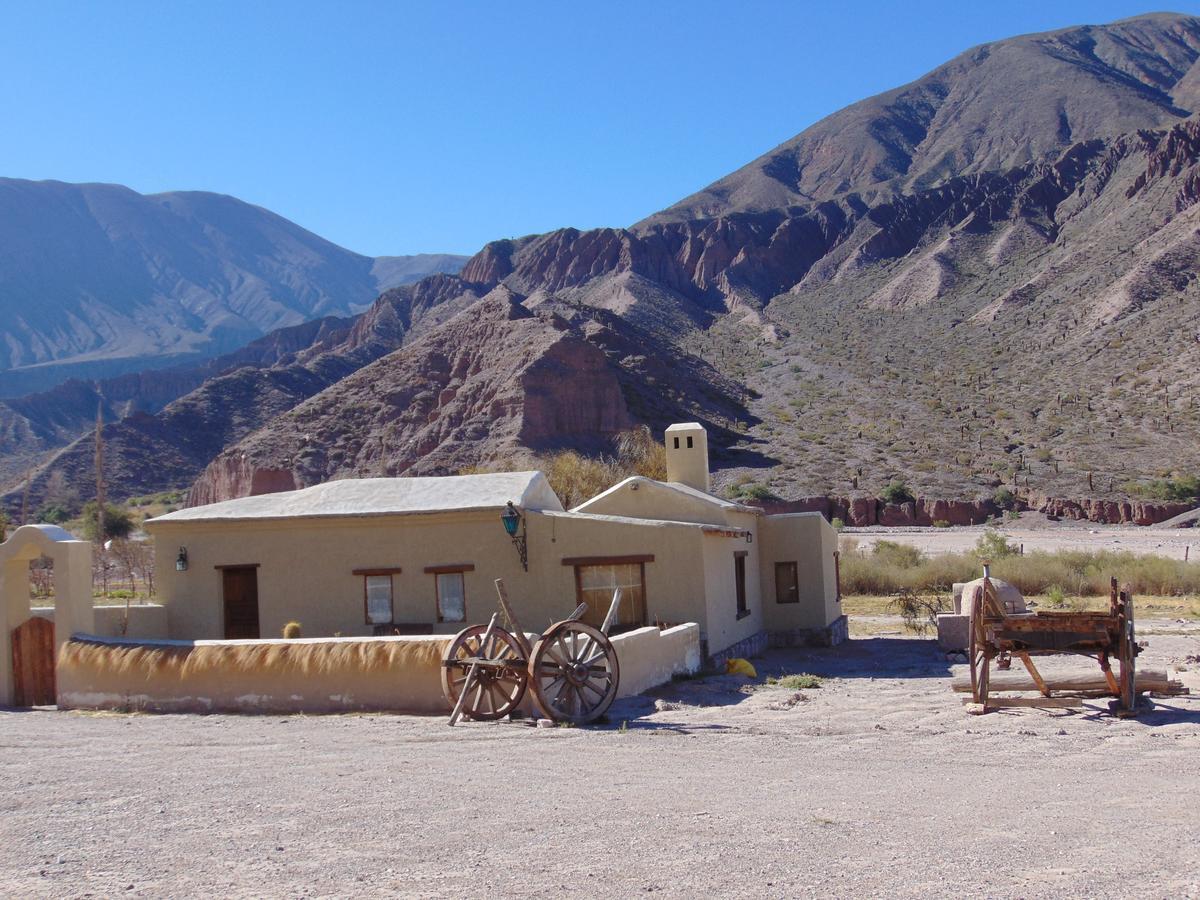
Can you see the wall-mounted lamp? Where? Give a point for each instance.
(513, 521)
(181, 560)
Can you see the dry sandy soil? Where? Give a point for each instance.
(875, 784)
(1037, 533)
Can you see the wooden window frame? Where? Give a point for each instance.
(739, 584)
(638, 559)
(796, 581)
(435, 571)
(367, 573)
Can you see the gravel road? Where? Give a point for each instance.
(875, 784)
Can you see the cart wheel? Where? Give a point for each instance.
(574, 672)
(977, 655)
(1127, 650)
(498, 689)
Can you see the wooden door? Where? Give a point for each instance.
(241, 602)
(33, 663)
(787, 583)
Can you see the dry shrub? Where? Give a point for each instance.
(1079, 573)
(576, 478)
(291, 631)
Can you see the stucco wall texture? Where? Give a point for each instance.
(305, 567)
(386, 674)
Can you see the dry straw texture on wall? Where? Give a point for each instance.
(165, 663)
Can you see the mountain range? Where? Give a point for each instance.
(982, 279)
(97, 280)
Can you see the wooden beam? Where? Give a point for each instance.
(1036, 702)
(1147, 680)
(449, 569)
(608, 560)
(384, 571)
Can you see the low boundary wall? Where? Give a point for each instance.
(147, 621)
(315, 675)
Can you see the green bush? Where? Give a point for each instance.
(897, 492)
(52, 514)
(837, 524)
(118, 523)
(1180, 489)
(993, 545)
(940, 523)
(1004, 499)
(752, 491)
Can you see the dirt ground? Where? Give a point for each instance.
(877, 783)
(1036, 532)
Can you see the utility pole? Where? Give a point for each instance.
(100, 499)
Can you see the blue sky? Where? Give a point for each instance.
(407, 127)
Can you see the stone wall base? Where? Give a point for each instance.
(831, 635)
(745, 648)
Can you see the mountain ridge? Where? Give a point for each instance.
(1019, 320)
(97, 279)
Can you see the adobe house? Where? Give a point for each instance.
(420, 555)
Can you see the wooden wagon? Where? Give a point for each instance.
(572, 668)
(997, 636)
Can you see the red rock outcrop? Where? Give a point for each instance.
(1110, 512)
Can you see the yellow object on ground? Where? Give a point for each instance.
(740, 667)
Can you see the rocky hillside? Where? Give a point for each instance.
(96, 279)
(957, 284)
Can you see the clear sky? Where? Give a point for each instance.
(393, 127)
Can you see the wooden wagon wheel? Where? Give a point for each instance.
(499, 684)
(574, 672)
(1127, 651)
(977, 653)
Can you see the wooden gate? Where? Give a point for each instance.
(33, 663)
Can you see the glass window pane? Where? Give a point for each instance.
(379, 599)
(452, 597)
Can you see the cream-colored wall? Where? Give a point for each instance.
(687, 465)
(72, 584)
(644, 498)
(147, 621)
(809, 541)
(319, 675)
(723, 628)
(306, 568)
(649, 657)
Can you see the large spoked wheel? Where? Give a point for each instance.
(977, 656)
(1127, 652)
(500, 679)
(574, 672)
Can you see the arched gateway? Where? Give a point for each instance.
(28, 646)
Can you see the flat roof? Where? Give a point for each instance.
(382, 497)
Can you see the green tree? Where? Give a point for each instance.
(118, 523)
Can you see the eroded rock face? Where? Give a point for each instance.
(1111, 512)
(492, 384)
(235, 477)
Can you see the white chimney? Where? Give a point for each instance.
(687, 455)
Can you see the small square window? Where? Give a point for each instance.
(379, 599)
(676, 443)
(451, 597)
(689, 442)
